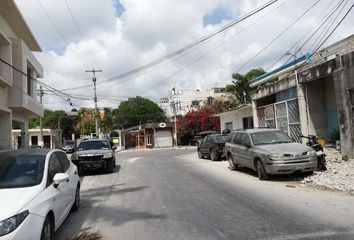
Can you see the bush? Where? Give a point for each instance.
(345, 158)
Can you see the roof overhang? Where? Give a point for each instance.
(14, 18)
(235, 111)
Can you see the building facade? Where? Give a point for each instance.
(18, 92)
(51, 138)
(180, 102)
(310, 96)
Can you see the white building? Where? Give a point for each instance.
(51, 138)
(18, 93)
(181, 102)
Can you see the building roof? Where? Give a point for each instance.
(234, 111)
(14, 18)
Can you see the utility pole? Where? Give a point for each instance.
(40, 94)
(95, 99)
(174, 103)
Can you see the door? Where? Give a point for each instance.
(60, 197)
(206, 145)
(71, 185)
(163, 138)
(46, 141)
(244, 152)
(234, 147)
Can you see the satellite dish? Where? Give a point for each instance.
(162, 125)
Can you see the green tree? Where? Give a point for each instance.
(107, 123)
(241, 86)
(55, 120)
(136, 111)
(87, 121)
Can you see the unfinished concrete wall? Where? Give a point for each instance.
(317, 108)
(344, 89)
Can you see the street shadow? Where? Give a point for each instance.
(277, 178)
(92, 211)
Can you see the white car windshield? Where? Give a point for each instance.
(89, 145)
(270, 137)
(17, 171)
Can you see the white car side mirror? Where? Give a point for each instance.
(60, 178)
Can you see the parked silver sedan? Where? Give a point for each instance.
(268, 151)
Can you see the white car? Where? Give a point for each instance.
(38, 188)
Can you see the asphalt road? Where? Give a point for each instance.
(174, 195)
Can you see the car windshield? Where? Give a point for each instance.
(17, 171)
(270, 137)
(89, 145)
(69, 142)
(220, 138)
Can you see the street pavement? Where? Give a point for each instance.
(172, 194)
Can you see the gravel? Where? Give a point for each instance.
(339, 174)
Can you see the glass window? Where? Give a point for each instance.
(21, 170)
(237, 138)
(63, 160)
(88, 145)
(245, 139)
(270, 137)
(220, 138)
(230, 136)
(53, 168)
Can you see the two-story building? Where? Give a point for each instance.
(18, 91)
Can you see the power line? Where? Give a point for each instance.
(190, 46)
(321, 21)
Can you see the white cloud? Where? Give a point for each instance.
(150, 29)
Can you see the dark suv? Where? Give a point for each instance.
(95, 154)
(268, 151)
(212, 146)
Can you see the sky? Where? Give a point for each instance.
(117, 36)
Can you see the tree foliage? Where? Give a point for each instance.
(137, 110)
(241, 87)
(197, 121)
(55, 120)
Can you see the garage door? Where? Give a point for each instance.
(163, 138)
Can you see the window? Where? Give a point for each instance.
(53, 168)
(34, 140)
(195, 103)
(245, 139)
(247, 122)
(237, 138)
(229, 126)
(230, 136)
(63, 160)
(29, 81)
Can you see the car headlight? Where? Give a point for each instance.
(275, 156)
(73, 157)
(312, 153)
(10, 224)
(108, 155)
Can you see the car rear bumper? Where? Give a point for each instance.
(305, 165)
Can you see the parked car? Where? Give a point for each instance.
(95, 154)
(38, 188)
(268, 151)
(212, 146)
(69, 146)
(199, 137)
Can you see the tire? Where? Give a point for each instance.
(47, 230)
(262, 174)
(214, 156)
(109, 166)
(200, 155)
(76, 204)
(232, 165)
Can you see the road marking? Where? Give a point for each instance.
(131, 160)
